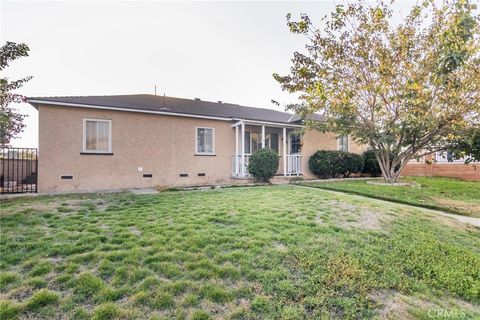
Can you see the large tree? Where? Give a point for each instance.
(404, 88)
(11, 121)
(467, 145)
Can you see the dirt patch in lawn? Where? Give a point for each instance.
(394, 305)
(349, 216)
(366, 219)
(280, 247)
(62, 206)
(391, 305)
(473, 209)
(135, 231)
(20, 294)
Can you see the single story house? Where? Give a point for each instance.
(132, 141)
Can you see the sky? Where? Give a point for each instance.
(214, 51)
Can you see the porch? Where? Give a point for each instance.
(253, 135)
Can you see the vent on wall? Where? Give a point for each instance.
(183, 175)
(66, 177)
(202, 174)
(147, 175)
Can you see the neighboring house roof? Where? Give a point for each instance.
(161, 104)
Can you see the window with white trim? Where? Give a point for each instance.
(295, 143)
(204, 141)
(343, 143)
(97, 135)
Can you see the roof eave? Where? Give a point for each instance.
(36, 102)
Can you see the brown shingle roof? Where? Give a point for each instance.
(149, 102)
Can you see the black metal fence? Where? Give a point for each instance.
(18, 170)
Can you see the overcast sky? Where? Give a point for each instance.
(211, 50)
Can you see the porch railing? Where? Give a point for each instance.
(237, 165)
(294, 165)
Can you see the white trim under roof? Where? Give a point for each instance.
(187, 115)
(271, 124)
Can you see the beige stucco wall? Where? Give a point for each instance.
(313, 141)
(163, 146)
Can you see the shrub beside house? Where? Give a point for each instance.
(334, 164)
(263, 164)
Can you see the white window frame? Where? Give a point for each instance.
(289, 143)
(213, 142)
(339, 143)
(84, 146)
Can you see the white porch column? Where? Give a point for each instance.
(242, 152)
(235, 160)
(284, 151)
(263, 137)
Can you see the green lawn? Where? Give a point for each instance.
(279, 252)
(452, 195)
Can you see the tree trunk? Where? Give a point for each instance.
(383, 162)
(389, 168)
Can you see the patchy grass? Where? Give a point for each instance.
(41, 298)
(447, 194)
(244, 253)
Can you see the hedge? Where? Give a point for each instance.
(331, 164)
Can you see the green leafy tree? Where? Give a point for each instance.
(468, 145)
(404, 89)
(11, 122)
